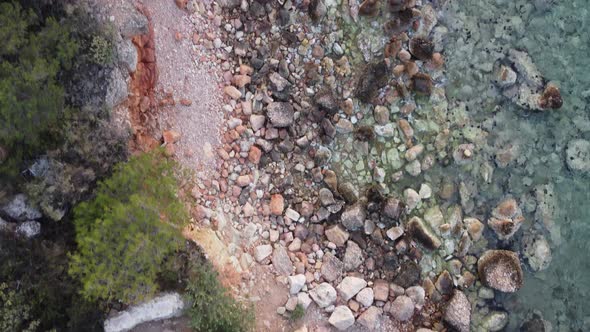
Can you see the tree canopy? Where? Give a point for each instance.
(127, 230)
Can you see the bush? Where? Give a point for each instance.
(127, 230)
(101, 50)
(33, 53)
(43, 294)
(212, 308)
(14, 311)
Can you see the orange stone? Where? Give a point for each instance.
(277, 204)
(186, 102)
(171, 136)
(254, 155)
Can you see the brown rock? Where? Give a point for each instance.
(500, 270)
(181, 3)
(337, 235)
(241, 80)
(381, 290)
(422, 84)
(421, 48)
(551, 97)
(254, 154)
(277, 204)
(332, 268)
(171, 136)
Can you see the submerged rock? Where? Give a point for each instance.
(422, 48)
(422, 84)
(577, 155)
(551, 97)
(375, 77)
(500, 270)
(495, 321)
(506, 219)
(369, 7)
(458, 312)
(409, 275)
(537, 251)
(418, 230)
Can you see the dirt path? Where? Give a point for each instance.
(191, 102)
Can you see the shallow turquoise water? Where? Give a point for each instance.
(557, 37)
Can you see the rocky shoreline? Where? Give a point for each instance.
(338, 131)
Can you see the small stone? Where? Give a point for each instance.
(381, 115)
(402, 308)
(326, 197)
(412, 198)
(29, 229)
(409, 275)
(418, 295)
(577, 155)
(458, 312)
(474, 228)
(413, 152)
(257, 121)
(292, 214)
(422, 84)
(262, 252)
(500, 270)
(444, 283)
(337, 235)
(495, 321)
(241, 80)
(353, 218)
(296, 283)
(232, 92)
(341, 318)
(370, 318)
(537, 251)
(19, 209)
(280, 114)
(381, 290)
(353, 257)
(291, 304)
(277, 204)
(323, 295)
(281, 261)
(392, 208)
(505, 76)
(365, 297)
(254, 155)
(344, 126)
(506, 219)
(350, 286)
(425, 191)
(422, 48)
(304, 300)
(243, 180)
(395, 233)
(332, 267)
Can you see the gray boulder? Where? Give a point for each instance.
(20, 209)
(162, 307)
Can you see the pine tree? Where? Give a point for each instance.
(127, 230)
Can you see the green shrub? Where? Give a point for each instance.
(33, 53)
(127, 230)
(212, 308)
(101, 50)
(298, 313)
(15, 313)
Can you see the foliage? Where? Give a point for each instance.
(298, 313)
(127, 230)
(212, 308)
(101, 50)
(33, 53)
(15, 313)
(36, 270)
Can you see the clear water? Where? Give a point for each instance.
(556, 34)
(557, 37)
